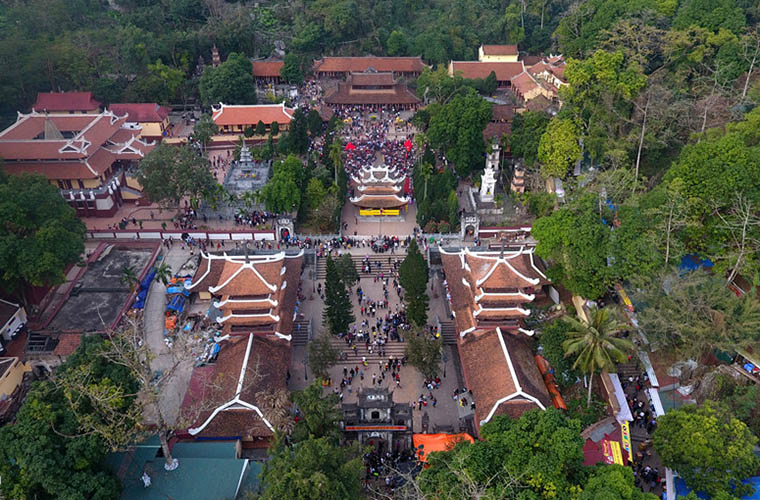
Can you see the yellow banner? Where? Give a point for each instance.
(625, 430)
(385, 211)
(617, 456)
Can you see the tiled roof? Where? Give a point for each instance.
(140, 111)
(379, 201)
(65, 101)
(267, 69)
(502, 112)
(371, 79)
(250, 115)
(500, 50)
(346, 94)
(524, 83)
(361, 64)
(67, 344)
(496, 130)
(474, 69)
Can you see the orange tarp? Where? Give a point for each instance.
(428, 443)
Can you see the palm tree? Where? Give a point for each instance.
(163, 273)
(595, 344)
(336, 150)
(129, 277)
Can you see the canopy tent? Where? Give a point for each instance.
(425, 444)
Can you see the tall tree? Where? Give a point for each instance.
(230, 83)
(338, 308)
(204, 130)
(595, 344)
(282, 194)
(291, 69)
(298, 139)
(40, 235)
(527, 129)
(423, 352)
(413, 276)
(558, 149)
(711, 450)
(320, 414)
(347, 270)
(170, 173)
(322, 356)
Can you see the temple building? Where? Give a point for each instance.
(378, 189)
(498, 53)
(267, 71)
(376, 420)
(487, 293)
(225, 398)
(235, 119)
(257, 294)
(66, 102)
(541, 80)
(87, 156)
(342, 67)
(372, 89)
(473, 70)
(152, 118)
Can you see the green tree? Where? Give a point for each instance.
(314, 123)
(283, 191)
(40, 235)
(558, 149)
(413, 276)
(315, 193)
(423, 352)
(539, 455)
(313, 469)
(696, 313)
(338, 309)
(711, 450)
(230, 83)
(320, 414)
(163, 273)
(347, 270)
(298, 139)
(613, 482)
(322, 356)
(274, 129)
(204, 130)
(129, 277)
(170, 173)
(553, 335)
(595, 344)
(335, 154)
(171, 79)
(527, 129)
(291, 69)
(261, 128)
(457, 128)
(514, 24)
(397, 43)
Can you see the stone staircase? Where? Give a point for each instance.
(385, 267)
(395, 349)
(448, 333)
(300, 332)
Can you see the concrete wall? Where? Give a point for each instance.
(13, 377)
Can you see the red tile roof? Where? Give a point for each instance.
(67, 344)
(141, 112)
(346, 94)
(371, 79)
(250, 115)
(500, 50)
(474, 69)
(267, 69)
(65, 101)
(361, 64)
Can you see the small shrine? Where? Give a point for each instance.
(376, 420)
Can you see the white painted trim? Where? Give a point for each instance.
(230, 300)
(505, 261)
(533, 265)
(466, 283)
(465, 332)
(524, 312)
(370, 197)
(240, 480)
(273, 317)
(282, 336)
(526, 296)
(243, 266)
(529, 333)
(244, 366)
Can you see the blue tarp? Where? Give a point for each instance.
(682, 490)
(172, 290)
(692, 262)
(143, 293)
(176, 304)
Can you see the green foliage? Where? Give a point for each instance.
(322, 356)
(539, 203)
(347, 270)
(432, 191)
(527, 129)
(315, 193)
(39, 233)
(539, 455)
(695, 313)
(338, 313)
(558, 149)
(274, 129)
(320, 414)
(51, 451)
(314, 123)
(283, 191)
(261, 128)
(298, 139)
(553, 335)
(230, 83)
(291, 69)
(170, 173)
(423, 352)
(205, 129)
(710, 14)
(313, 469)
(613, 482)
(711, 450)
(457, 127)
(397, 43)
(740, 396)
(413, 276)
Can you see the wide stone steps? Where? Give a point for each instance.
(395, 349)
(357, 259)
